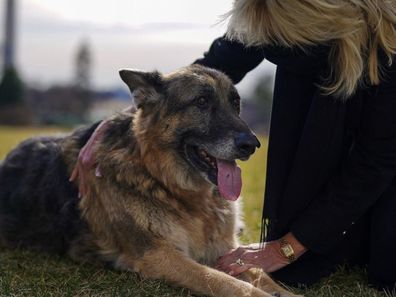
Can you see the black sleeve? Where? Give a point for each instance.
(232, 57)
(365, 176)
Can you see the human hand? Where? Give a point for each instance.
(269, 258)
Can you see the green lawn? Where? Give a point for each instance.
(24, 273)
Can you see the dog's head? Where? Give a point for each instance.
(192, 115)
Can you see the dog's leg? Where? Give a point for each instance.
(173, 266)
(261, 280)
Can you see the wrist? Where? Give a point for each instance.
(298, 247)
(290, 248)
(280, 255)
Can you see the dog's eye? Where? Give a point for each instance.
(202, 102)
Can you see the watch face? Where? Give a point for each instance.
(288, 250)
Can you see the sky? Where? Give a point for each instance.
(144, 34)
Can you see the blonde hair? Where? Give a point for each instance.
(356, 29)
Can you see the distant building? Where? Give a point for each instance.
(9, 35)
(11, 86)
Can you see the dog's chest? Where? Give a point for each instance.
(211, 233)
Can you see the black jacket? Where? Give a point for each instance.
(329, 160)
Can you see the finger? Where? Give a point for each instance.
(235, 251)
(235, 269)
(230, 257)
(253, 255)
(228, 260)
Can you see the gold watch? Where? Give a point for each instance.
(287, 250)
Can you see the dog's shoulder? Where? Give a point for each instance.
(119, 131)
(80, 136)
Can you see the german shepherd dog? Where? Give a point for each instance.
(162, 205)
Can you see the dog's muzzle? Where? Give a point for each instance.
(246, 144)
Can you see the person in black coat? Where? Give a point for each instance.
(331, 175)
(331, 172)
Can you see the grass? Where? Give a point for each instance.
(24, 273)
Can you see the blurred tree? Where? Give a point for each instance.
(65, 104)
(83, 62)
(82, 83)
(11, 88)
(13, 108)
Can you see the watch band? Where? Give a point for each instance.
(287, 250)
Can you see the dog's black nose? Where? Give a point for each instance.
(246, 143)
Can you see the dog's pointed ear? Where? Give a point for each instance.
(146, 87)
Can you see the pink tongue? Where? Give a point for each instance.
(229, 179)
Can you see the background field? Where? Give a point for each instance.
(23, 273)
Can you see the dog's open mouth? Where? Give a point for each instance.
(225, 174)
